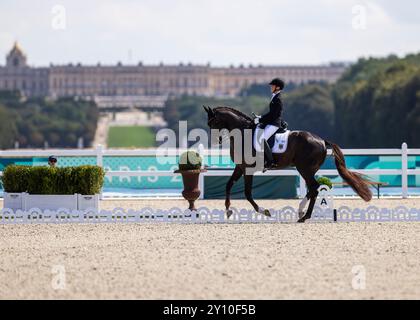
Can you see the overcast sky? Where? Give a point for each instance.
(199, 31)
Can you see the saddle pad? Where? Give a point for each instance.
(280, 144)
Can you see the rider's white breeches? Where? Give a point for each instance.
(263, 134)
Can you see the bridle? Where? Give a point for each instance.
(209, 124)
(252, 127)
(211, 120)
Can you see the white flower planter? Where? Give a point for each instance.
(13, 201)
(325, 199)
(325, 202)
(87, 202)
(24, 201)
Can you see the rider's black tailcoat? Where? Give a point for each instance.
(273, 117)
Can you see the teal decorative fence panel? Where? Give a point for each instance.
(214, 186)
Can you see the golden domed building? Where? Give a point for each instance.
(18, 75)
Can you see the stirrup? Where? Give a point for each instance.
(268, 167)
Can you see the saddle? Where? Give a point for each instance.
(278, 141)
(282, 129)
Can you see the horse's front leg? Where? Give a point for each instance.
(248, 194)
(237, 173)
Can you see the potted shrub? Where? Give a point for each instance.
(74, 188)
(324, 181)
(190, 164)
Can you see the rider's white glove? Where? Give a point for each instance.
(257, 120)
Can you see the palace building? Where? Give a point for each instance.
(100, 81)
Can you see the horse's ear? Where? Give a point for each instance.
(209, 111)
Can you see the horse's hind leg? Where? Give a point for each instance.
(248, 194)
(237, 173)
(306, 216)
(308, 162)
(302, 206)
(313, 186)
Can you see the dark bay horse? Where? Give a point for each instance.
(305, 151)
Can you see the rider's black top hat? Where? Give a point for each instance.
(277, 82)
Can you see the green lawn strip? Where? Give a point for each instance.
(131, 136)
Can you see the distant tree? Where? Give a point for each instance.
(171, 113)
(8, 131)
(53, 138)
(10, 97)
(377, 103)
(255, 90)
(71, 139)
(36, 139)
(33, 122)
(311, 108)
(263, 90)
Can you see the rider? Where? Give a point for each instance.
(271, 121)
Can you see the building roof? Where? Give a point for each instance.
(16, 50)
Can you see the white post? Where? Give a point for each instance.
(99, 155)
(302, 187)
(201, 185)
(404, 167)
(100, 160)
(200, 151)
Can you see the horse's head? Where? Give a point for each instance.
(226, 119)
(214, 119)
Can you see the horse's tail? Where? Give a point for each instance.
(355, 180)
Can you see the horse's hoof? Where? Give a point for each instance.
(301, 214)
(301, 220)
(265, 212)
(229, 213)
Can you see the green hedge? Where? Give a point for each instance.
(86, 180)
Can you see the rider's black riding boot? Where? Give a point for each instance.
(268, 156)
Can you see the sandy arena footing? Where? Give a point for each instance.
(249, 261)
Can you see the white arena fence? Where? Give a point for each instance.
(204, 215)
(99, 152)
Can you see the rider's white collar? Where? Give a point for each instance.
(274, 94)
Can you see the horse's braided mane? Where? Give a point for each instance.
(237, 112)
